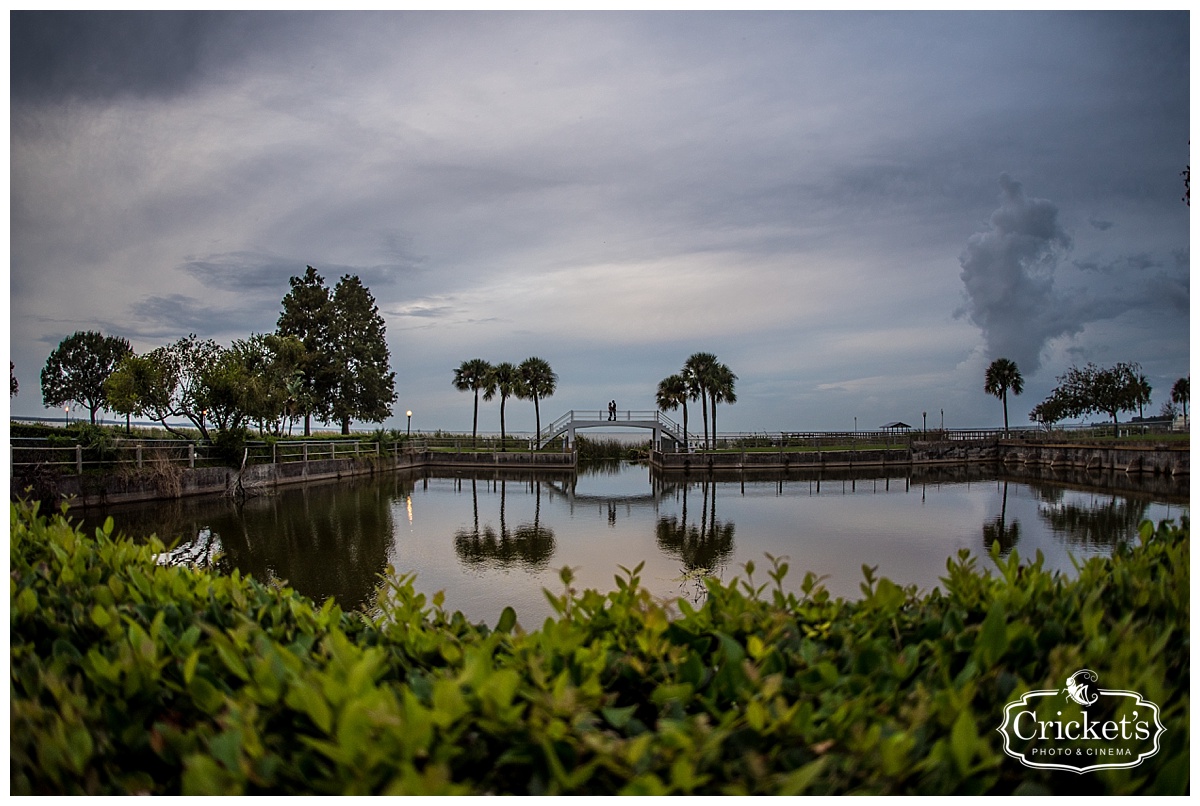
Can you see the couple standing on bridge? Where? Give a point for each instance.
(612, 410)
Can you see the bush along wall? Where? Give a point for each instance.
(132, 677)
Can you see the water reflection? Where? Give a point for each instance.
(530, 545)
(324, 540)
(497, 538)
(704, 548)
(999, 530)
(1102, 523)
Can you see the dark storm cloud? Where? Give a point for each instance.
(173, 314)
(1009, 276)
(57, 54)
(507, 184)
(269, 276)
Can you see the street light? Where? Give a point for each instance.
(66, 416)
(410, 423)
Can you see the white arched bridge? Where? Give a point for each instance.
(574, 420)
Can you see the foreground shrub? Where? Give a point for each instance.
(132, 677)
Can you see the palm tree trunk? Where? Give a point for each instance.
(714, 420)
(686, 442)
(537, 418)
(503, 447)
(1004, 400)
(704, 416)
(475, 420)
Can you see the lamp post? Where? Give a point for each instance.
(409, 423)
(923, 428)
(66, 416)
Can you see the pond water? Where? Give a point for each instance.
(489, 539)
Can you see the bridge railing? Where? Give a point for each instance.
(638, 416)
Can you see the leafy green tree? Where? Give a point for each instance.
(1050, 411)
(503, 379)
(1180, 393)
(1093, 389)
(273, 376)
(13, 386)
(364, 387)
(76, 370)
(1001, 376)
(471, 376)
(136, 387)
(538, 381)
(227, 391)
(172, 382)
(673, 393)
(307, 315)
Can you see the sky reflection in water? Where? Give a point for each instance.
(489, 542)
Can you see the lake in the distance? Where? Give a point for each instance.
(490, 540)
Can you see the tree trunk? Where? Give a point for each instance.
(345, 426)
(503, 447)
(714, 421)
(475, 421)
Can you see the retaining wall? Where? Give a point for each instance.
(1134, 459)
(132, 485)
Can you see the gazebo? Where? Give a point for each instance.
(896, 426)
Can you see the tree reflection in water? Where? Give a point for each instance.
(530, 545)
(704, 549)
(1104, 523)
(999, 530)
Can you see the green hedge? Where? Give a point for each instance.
(132, 677)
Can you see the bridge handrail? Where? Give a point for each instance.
(626, 415)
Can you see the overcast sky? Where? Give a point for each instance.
(855, 211)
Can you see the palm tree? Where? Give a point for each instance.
(537, 380)
(505, 379)
(1002, 375)
(698, 371)
(472, 376)
(673, 393)
(1180, 393)
(721, 391)
(1143, 394)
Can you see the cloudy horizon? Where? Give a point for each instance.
(856, 211)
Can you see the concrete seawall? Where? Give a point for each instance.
(170, 481)
(1000, 454)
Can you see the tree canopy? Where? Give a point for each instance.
(505, 380)
(538, 381)
(1001, 376)
(1095, 390)
(363, 385)
(344, 372)
(76, 370)
(472, 376)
